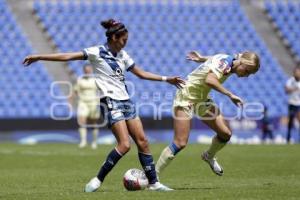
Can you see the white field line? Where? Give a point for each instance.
(43, 153)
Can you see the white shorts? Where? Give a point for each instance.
(192, 107)
(89, 110)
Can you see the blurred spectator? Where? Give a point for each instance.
(292, 88)
(88, 106)
(267, 126)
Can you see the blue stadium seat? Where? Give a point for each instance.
(286, 17)
(19, 85)
(162, 33)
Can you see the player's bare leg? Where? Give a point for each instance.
(123, 146)
(95, 132)
(182, 125)
(223, 134)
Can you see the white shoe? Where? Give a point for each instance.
(158, 187)
(93, 185)
(82, 145)
(94, 145)
(214, 165)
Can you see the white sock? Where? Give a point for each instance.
(164, 160)
(215, 146)
(82, 133)
(95, 135)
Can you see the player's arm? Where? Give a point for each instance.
(54, 57)
(289, 89)
(73, 95)
(197, 57)
(213, 82)
(175, 80)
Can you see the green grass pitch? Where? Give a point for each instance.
(60, 171)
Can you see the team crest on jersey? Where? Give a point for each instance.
(224, 66)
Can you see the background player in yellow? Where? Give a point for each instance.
(193, 99)
(88, 107)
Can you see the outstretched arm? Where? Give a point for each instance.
(213, 82)
(53, 57)
(195, 56)
(177, 81)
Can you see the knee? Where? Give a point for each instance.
(143, 144)
(124, 147)
(225, 135)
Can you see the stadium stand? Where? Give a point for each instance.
(161, 33)
(24, 92)
(286, 17)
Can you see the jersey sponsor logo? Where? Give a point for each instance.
(224, 66)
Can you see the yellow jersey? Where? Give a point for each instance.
(195, 88)
(87, 90)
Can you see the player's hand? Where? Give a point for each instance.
(177, 81)
(236, 100)
(193, 56)
(30, 59)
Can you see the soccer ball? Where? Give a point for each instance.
(135, 179)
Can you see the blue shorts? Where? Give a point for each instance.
(117, 110)
(293, 110)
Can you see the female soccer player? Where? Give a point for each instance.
(194, 99)
(110, 62)
(88, 111)
(292, 88)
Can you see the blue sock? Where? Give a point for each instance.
(174, 148)
(149, 167)
(222, 140)
(111, 160)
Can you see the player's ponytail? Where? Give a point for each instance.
(113, 27)
(108, 23)
(250, 59)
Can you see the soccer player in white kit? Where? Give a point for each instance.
(110, 62)
(193, 99)
(292, 88)
(88, 111)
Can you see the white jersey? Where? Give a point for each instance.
(294, 97)
(109, 71)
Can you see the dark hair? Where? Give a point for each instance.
(114, 28)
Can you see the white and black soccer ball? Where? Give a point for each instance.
(135, 179)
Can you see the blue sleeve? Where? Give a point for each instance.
(131, 67)
(85, 55)
(230, 59)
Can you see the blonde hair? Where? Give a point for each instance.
(250, 59)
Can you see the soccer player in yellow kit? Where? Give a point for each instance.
(194, 99)
(88, 111)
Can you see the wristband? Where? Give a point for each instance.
(164, 78)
